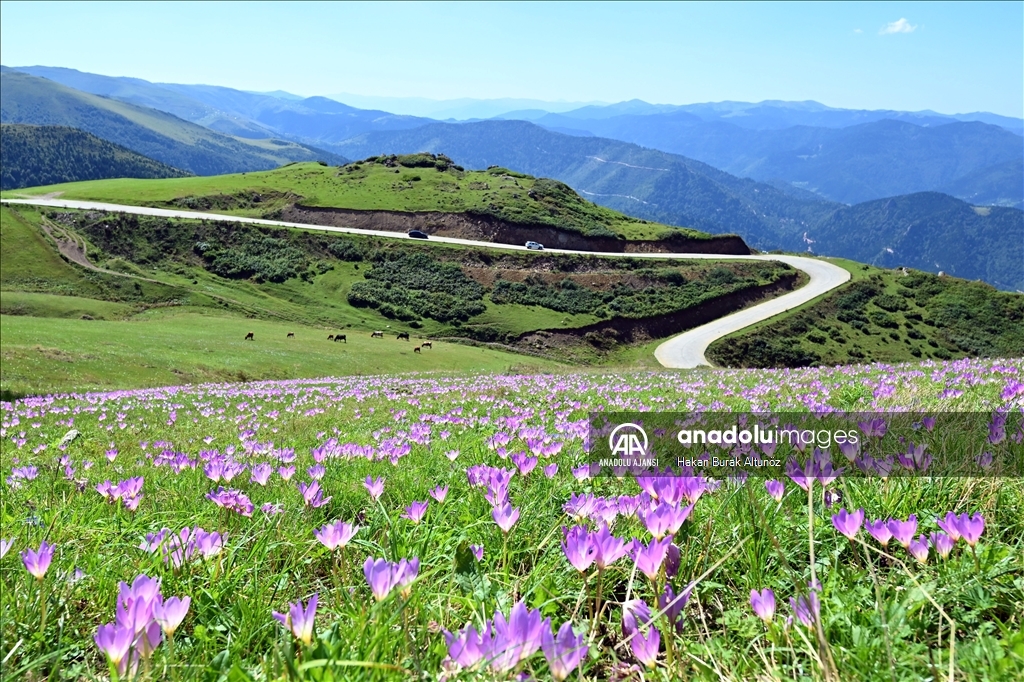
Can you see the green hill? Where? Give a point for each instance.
(155, 134)
(401, 192)
(91, 300)
(884, 316)
(47, 155)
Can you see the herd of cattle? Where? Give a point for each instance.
(401, 336)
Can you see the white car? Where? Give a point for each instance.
(535, 246)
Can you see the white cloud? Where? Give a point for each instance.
(857, 30)
(901, 26)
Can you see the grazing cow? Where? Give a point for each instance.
(403, 335)
(331, 337)
(291, 335)
(377, 335)
(340, 337)
(416, 349)
(250, 337)
(426, 344)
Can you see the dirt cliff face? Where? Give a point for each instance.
(626, 330)
(487, 228)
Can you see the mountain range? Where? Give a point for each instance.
(789, 175)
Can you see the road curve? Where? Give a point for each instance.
(683, 351)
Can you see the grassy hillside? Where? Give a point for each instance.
(47, 155)
(171, 300)
(410, 183)
(886, 316)
(152, 133)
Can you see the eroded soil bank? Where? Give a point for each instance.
(487, 228)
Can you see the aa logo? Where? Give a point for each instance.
(628, 440)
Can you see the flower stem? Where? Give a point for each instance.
(42, 608)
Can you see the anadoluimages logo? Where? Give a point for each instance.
(625, 441)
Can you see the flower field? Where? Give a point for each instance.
(435, 527)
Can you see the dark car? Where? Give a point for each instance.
(416, 234)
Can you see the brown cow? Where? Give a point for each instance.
(340, 337)
(291, 335)
(250, 337)
(403, 335)
(426, 344)
(416, 349)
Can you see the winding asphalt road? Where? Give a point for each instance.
(683, 351)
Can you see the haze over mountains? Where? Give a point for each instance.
(777, 173)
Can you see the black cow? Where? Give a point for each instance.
(250, 337)
(403, 335)
(340, 337)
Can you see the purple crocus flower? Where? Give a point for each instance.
(335, 535)
(478, 551)
(505, 516)
(949, 524)
(848, 523)
(261, 473)
(520, 635)
(970, 528)
(903, 531)
(5, 546)
(763, 603)
(672, 604)
(550, 470)
(607, 548)
(775, 489)
(439, 493)
(37, 562)
(415, 512)
(170, 612)
(465, 647)
(374, 486)
(802, 477)
(286, 472)
(665, 519)
(563, 651)
(300, 620)
(312, 495)
(649, 558)
(114, 641)
(879, 530)
(404, 573)
(577, 548)
(942, 543)
(919, 549)
(646, 648)
(380, 576)
(873, 428)
(806, 609)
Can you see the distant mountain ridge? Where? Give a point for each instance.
(680, 191)
(851, 164)
(147, 131)
(48, 155)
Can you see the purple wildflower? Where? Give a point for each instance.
(903, 531)
(380, 576)
(5, 546)
(879, 530)
(564, 651)
(478, 551)
(37, 562)
(942, 543)
(763, 603)
(949, 524)
(439, 493)
(415, 512)
(775, 489)
(335, 535)
(374, 486)
(505, 516)
(919, 549)
(170, 612)
(649, 558)
(848, 523)
(300, 619)
(578, 549)
(970, 528)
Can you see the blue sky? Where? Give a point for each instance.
(949, 57)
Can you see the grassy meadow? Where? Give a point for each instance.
(475, 481)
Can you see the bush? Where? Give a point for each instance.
(890, 303)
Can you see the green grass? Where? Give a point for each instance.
(372, 186)
(171, 346)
